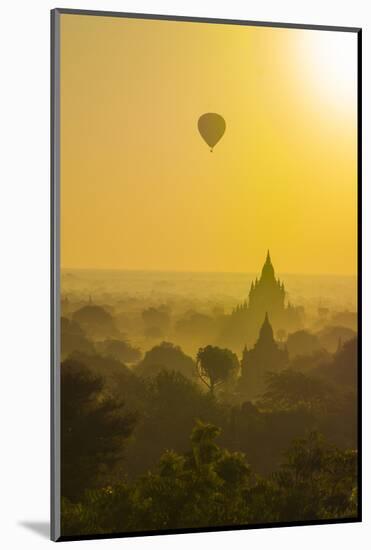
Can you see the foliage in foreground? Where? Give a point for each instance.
(211, 486)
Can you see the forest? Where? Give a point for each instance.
(161, 427)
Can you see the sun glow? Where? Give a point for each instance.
(330, 61)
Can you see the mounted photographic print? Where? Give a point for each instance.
(205, 274)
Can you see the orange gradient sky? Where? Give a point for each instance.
(141, 190)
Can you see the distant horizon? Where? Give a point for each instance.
(208, 271)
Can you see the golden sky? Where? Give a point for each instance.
(140, 188)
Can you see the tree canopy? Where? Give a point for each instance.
(215, 366)
(94, 427)
(210, 486)
(166, 356)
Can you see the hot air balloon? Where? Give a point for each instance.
(211, 127)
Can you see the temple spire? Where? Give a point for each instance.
(266, 331)
(268, 270)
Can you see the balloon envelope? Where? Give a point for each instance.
(211, 127)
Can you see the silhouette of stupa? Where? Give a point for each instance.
(265, 356)
(267, 294)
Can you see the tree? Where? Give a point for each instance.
(330, 337)
(194, 327)
(343, 369)
(156, 321)
(289, 389)
(215, 366)
(93, 429)
(204, 486)
(209, 486)
(167, 415)
(96, 321)
(119, 380)
(302, 342)
(317, 481)
(73, 338)
(308, 363)
(119, 349)
(166, 356)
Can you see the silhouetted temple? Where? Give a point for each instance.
(267, 295)
(266, 356)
